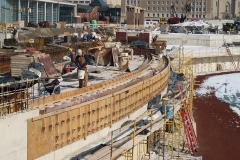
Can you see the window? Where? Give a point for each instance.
(199, 16)
(153, 8)
(148, 2)
(153, 2)
(192, 9)
(153, 14)
(167, 2)
(162, 15)
(158, 2)
(167, 15)
(148, 15)
(196, 16)
(171, 3)
(162, 2)
(203, 16)
(200, 9)
(196, 3)
(204, 9)
(158, 8)
(196, 9)
(177, 3)
(176, 8)
(204, 3)
(182, 3)
(162, 8)
(200, 3)
(167, 8)
(158, 15)
(138, 2)
(148, 8)
(127, 2)
(192, 16)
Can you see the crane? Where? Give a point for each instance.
(185, 11)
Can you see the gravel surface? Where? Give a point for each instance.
(218, 135)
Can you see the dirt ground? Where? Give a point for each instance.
(217, 132)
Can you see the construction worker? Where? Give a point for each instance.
(51, 88)
(81, 63)
(14, 32)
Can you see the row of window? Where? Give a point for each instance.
(86, 2)
(163, 2)
(172, 3)
(167, 9)
(168, 15)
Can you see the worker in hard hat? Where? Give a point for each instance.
(81, 63)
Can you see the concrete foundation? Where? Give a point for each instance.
(13, 135)
(209, 40)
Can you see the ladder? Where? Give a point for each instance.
(188, 127)
(230, 55)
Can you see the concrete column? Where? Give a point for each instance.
(45, 11)
(131, 18)
(52, 14)
(141, 18)
(28, 12)
(19, 10)
(36, 11)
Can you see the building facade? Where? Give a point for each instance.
(200, 9)
(32, 10)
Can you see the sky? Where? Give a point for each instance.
(227, 89)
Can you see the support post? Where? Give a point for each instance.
(19, 10)
(52, 13)
(28, 11)
(36, 11)
(45, 11)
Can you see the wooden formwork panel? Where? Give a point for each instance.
(49, 133)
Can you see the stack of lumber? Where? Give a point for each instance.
(20, 62)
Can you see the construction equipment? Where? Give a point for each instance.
(187, 122)
(230, 55)
(174, 16)
(163, 20)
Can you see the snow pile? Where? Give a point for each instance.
(192, 23)
(226, 87)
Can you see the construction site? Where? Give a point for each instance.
(138, 100)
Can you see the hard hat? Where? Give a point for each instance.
(79, 52)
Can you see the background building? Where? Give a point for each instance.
(34, 10)
(201, 9)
